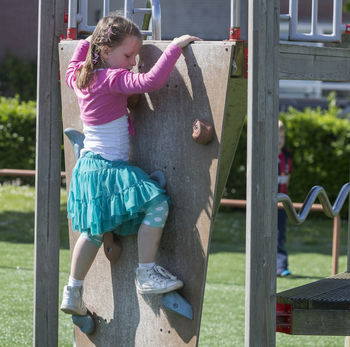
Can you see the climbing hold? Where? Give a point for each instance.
(174, 302)
(112, 247)
(76, 138)
(203, 132)
(159, 177)
(85, 323)
(133, 101)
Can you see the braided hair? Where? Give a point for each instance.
(110, 31)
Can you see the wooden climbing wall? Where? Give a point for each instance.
(201, 87)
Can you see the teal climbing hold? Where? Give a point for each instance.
(159, 177)
(85, 323)
(174, 302)
(76, 138)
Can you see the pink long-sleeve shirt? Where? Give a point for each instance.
(106, 99)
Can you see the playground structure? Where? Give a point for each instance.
(268, 61)
(295, 35)
(322, 307)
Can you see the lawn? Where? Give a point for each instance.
(309, 247)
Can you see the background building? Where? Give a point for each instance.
(205, 18)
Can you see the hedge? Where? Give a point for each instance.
(318, 140)
(320, 145)
(18, 77)
(17, 133)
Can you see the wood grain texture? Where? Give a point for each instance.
(163, 120)
(261, 215)
(48, 180)
(314, 63)
(321, 322)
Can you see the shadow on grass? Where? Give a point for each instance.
(19, 227)
(298, 277)
(313, 236)
(229, 247)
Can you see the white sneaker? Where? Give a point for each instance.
(72, 302)
(156, 280)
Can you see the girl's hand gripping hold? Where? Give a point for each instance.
(184, 40)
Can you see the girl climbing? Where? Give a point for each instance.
(107, 194)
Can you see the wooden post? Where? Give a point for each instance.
(47, 182)
(347, 338)
(261, 240)
(348, 251)
(336, 243)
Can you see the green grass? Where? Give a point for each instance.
(17, 205)
(17, 267)
(309, 247)
(16, 298)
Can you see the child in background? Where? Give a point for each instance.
(284, 170)
(107, 194)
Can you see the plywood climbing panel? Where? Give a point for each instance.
(200, 87)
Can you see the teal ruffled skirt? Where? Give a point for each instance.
(110, 196)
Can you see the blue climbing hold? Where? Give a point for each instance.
(174, 302)
(76, 138)
(85, 323)
(159, 177)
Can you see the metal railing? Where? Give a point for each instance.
(78, 17)
(314, 34)
(315, 192)
(286, 203)
(155, 12)
(78, 20)
(298, 205)
(329, 210)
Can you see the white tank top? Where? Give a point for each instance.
(110, 140)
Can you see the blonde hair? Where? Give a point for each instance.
(110, 31)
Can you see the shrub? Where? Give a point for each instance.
(18, 136)
(18, 77)
(320, 145)
(347, 6)
(17, 133)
